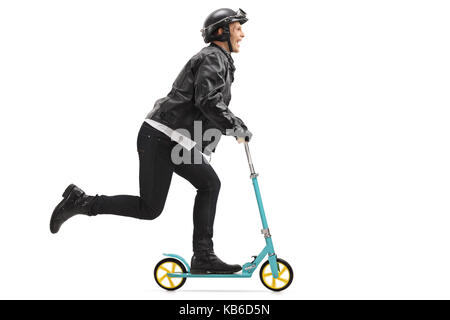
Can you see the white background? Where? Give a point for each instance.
(348, 102)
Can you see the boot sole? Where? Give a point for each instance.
(65, 195)
(196, 271)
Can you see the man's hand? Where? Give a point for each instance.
(241, 134)
(240, 139)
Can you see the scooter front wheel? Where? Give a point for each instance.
(285, 275)
(169, 265)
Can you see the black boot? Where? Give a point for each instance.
(75, 202)
(208, 262)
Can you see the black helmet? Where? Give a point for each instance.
(222, 18)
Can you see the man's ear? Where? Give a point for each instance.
(220, 31)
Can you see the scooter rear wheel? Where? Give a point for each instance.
(285, 275)
(169, 265)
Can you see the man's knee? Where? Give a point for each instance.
(212, 185)
(150, 212)
(216, 184)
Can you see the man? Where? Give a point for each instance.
(196, 106)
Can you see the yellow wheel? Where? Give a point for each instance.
(166, 266)
(285, 276)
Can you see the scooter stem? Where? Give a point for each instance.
(269, 250)
(250, 163)
(253, 176)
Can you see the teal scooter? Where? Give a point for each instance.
(275, 273)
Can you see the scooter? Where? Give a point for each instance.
(276, 274)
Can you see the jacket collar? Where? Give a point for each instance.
(226, 53)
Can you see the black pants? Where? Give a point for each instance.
(155, 174)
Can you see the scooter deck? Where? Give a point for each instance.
(209, 275)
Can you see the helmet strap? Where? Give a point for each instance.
(227, 32)
(229, 45)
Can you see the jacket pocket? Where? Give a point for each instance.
(169, 117)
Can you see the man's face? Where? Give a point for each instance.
(236, 35)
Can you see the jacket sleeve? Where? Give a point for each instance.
(209, 84)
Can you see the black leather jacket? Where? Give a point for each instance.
(202, 92)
